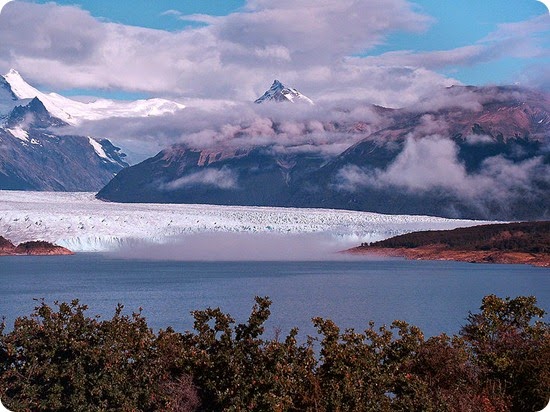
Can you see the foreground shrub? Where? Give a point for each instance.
(61, 360)
(64, 361)
(511, 351)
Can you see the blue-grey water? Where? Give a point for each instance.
(435, 296)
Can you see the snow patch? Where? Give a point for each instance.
(98, 149)
(19, 133)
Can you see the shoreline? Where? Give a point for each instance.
(443, 253)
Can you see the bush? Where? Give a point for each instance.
(58, 359)
(511, 351)
(64, 361)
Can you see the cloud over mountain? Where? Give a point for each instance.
(432, 163)
(232, 56)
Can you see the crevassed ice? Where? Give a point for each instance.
(82, 223)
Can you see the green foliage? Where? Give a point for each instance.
(59, 359)
(64, 361)
(512, 350)
(236, 370)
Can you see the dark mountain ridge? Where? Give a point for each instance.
(482, 153)
(35, 156)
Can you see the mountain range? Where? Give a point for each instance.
(73, 111)
(36, 155)
(484, 153)
(468, 152)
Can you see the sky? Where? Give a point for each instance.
(388, 52)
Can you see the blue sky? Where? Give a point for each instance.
(464, 22)
(150, 13)
(232, 49)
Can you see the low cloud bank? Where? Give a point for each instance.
(432, 163)
(243, 247)
(224, 178)
(327, 129)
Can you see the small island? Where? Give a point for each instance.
(32, 248)
(515, 243)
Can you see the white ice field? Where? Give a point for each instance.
(82, 223)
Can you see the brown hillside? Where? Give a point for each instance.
(524, 242)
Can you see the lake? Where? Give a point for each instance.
(436, 296)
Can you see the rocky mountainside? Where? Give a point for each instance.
(492, 162)
(35, 156)
(475, 152)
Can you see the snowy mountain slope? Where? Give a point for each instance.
(34, 157)
(278, 92)
(73, 112)
(82, 223)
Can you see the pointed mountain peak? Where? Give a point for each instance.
(278, 92)
(19, 86)
(37, 105)
(6, 93)
(14, 77)
(33, 114)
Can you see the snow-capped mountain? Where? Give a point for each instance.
(33, 156)
(73, 112)
(488, 161)
(278, 92)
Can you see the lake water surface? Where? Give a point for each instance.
(436, 296)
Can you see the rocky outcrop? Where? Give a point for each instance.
(34, 248)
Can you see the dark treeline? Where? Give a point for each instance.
(529, 237)
(59, 359)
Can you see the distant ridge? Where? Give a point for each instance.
(523, 242)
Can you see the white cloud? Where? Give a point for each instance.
(422, 165)
(223, 178)
(432, 163)
(304, 43)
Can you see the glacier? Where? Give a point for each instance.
(82, 223)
